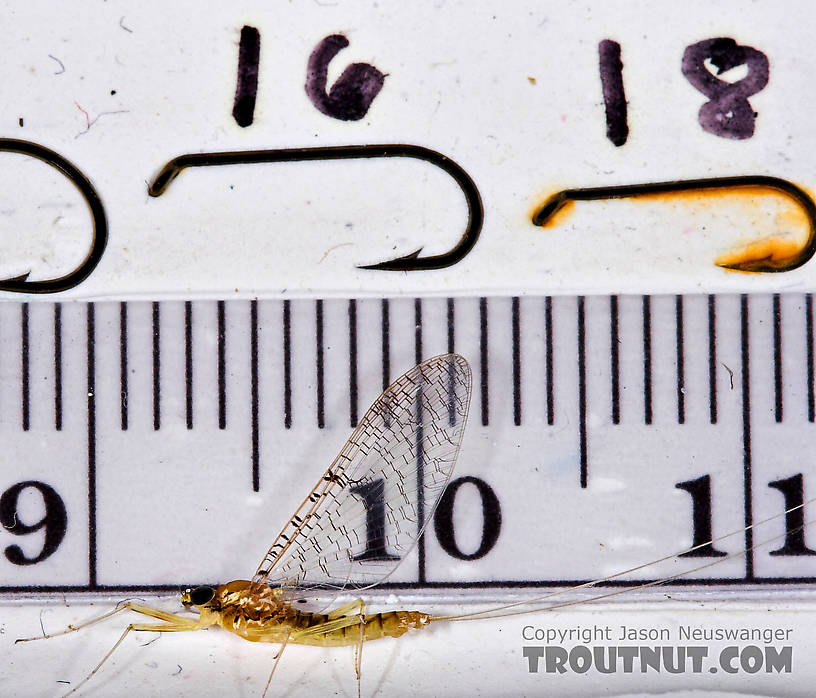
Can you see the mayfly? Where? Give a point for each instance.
(366, 513)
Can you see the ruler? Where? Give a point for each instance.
(161, 444)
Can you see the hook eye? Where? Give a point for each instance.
(759, 256)
(408, 262)
(99, 236)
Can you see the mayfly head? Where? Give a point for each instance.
(198, 597)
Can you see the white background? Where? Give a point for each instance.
(458, 82)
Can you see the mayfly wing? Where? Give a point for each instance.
(370, 507)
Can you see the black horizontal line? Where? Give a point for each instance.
(527, 584)
(492, 584)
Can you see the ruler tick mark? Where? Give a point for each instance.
(90, 322)
(681, 368)
(253, 368)
(156, 366)
(614, 357)
(352, 329)
(222, 367)
(746, 437)
(321, 421)
(287, 364)
(385, 321)
(420, 437)
(418, 330)
(811, 407)
(123, 365)
(548, 359)
(24, 368)
(647, 360)
(451, 321)
(582, 393)
(483, 358)
(777, 356)
(188, 362)
(516, 321)
(57, 366)
(712, 359)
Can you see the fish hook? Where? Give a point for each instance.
(555, 202)
(99, 236)
(408, 262)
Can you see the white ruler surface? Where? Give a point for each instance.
(157, 445)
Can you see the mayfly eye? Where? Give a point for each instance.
(201, 595)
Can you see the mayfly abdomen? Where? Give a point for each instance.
(377, 625)
(394, 623)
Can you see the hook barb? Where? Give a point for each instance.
(404, 263)
(14, 283)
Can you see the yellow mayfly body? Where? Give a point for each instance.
(365, 514)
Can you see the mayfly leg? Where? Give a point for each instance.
(275, 665)
(358, 648)
(172, 623)
(346, 616)
(187, 625)
(355, 607)
(127, 606)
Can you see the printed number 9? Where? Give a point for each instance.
(54, 521)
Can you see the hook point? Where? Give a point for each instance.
(403, 263)
(764, 265)
(15, 283)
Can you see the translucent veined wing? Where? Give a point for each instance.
(370, 507)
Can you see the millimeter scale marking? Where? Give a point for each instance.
(260, 370)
